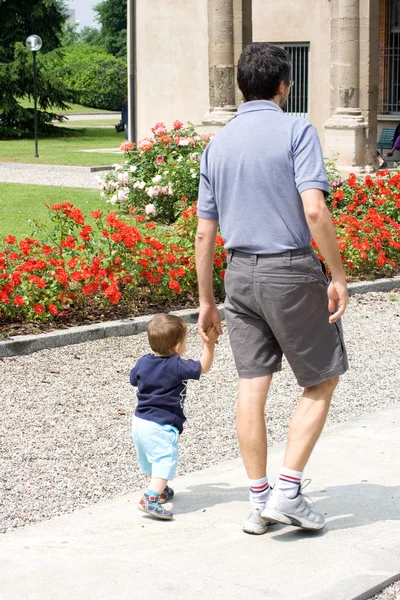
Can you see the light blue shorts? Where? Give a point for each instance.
(156, 446)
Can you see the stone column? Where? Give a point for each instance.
(221, 62)
(345, 130)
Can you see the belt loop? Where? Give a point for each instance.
(253, 260)
(230, 256)
(286, 258)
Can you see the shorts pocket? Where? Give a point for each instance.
(170, 434)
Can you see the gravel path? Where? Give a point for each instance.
(390, 593)
(65, 413)
(76, 178)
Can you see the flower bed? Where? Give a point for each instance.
(114, 262)
(144, 254)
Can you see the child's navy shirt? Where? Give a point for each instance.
(161, 383)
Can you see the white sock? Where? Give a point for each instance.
(259, 490)
(289, 482)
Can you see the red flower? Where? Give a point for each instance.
(85, 233)
(13, 256)
(73, 262)
(174, 285)
(143, 263)
(113, 294)
(77, 216)
(19, 301)
(15, 278)
(68, 242)
(10, 239)
(96, 214)
(25, 247)
(62, 277)
(222, 275)
(39, 281)
(53, 310)
(4, 297)
(38, 308)
(117, 237)
(177, 125)
(46, 249)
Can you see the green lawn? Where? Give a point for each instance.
(65, 149)
(74, 108)
(18, 203)
(93, 123)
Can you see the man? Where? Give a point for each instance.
(263, 180)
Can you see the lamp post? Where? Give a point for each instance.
(34, 43)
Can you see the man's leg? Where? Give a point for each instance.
(286, 504)
(307, 423)
(251, 431)
(250, 424)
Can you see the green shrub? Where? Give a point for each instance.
(96, 78)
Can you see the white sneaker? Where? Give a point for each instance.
(291, 511)
(255, 523)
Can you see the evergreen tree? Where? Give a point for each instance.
(18, 20)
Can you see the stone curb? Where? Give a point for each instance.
(27, 344)
(59, 168)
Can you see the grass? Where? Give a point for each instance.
(20, 202)
(92, 123)
(74, 108)
(65, 149)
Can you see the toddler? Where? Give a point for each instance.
(161, 379)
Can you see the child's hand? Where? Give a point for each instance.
(212, 335)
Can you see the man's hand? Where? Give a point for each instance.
(337, 299)
(209, 318)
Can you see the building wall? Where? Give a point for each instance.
(301, 21)
(172, 62)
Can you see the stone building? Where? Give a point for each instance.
(345, 53)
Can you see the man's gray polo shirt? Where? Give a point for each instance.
(252, 173)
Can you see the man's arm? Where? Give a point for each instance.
(205, 245)
(323, 231)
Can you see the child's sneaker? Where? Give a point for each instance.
(152, 506)
(167, 495)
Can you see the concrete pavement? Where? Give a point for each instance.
(111, 551)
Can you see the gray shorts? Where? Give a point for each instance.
(277, 304)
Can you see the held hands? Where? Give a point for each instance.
(209, 319)
(212, 335)
(337, 299)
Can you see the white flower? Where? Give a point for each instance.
(194, 175)
(123, 194)
(180, 158)
(117, 167)
(153, 191)
(157, 179)
(183, 142)
(113, 199)
(133, 168)
(123, 177)
(139, 185)
(150, 209)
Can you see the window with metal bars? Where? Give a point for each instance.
(389, 57)
(298, 101)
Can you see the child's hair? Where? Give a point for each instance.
(165, 332)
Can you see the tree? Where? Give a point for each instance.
(18, 20)
(97, 78)
(112, 16)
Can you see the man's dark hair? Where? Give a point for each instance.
(261, 69)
